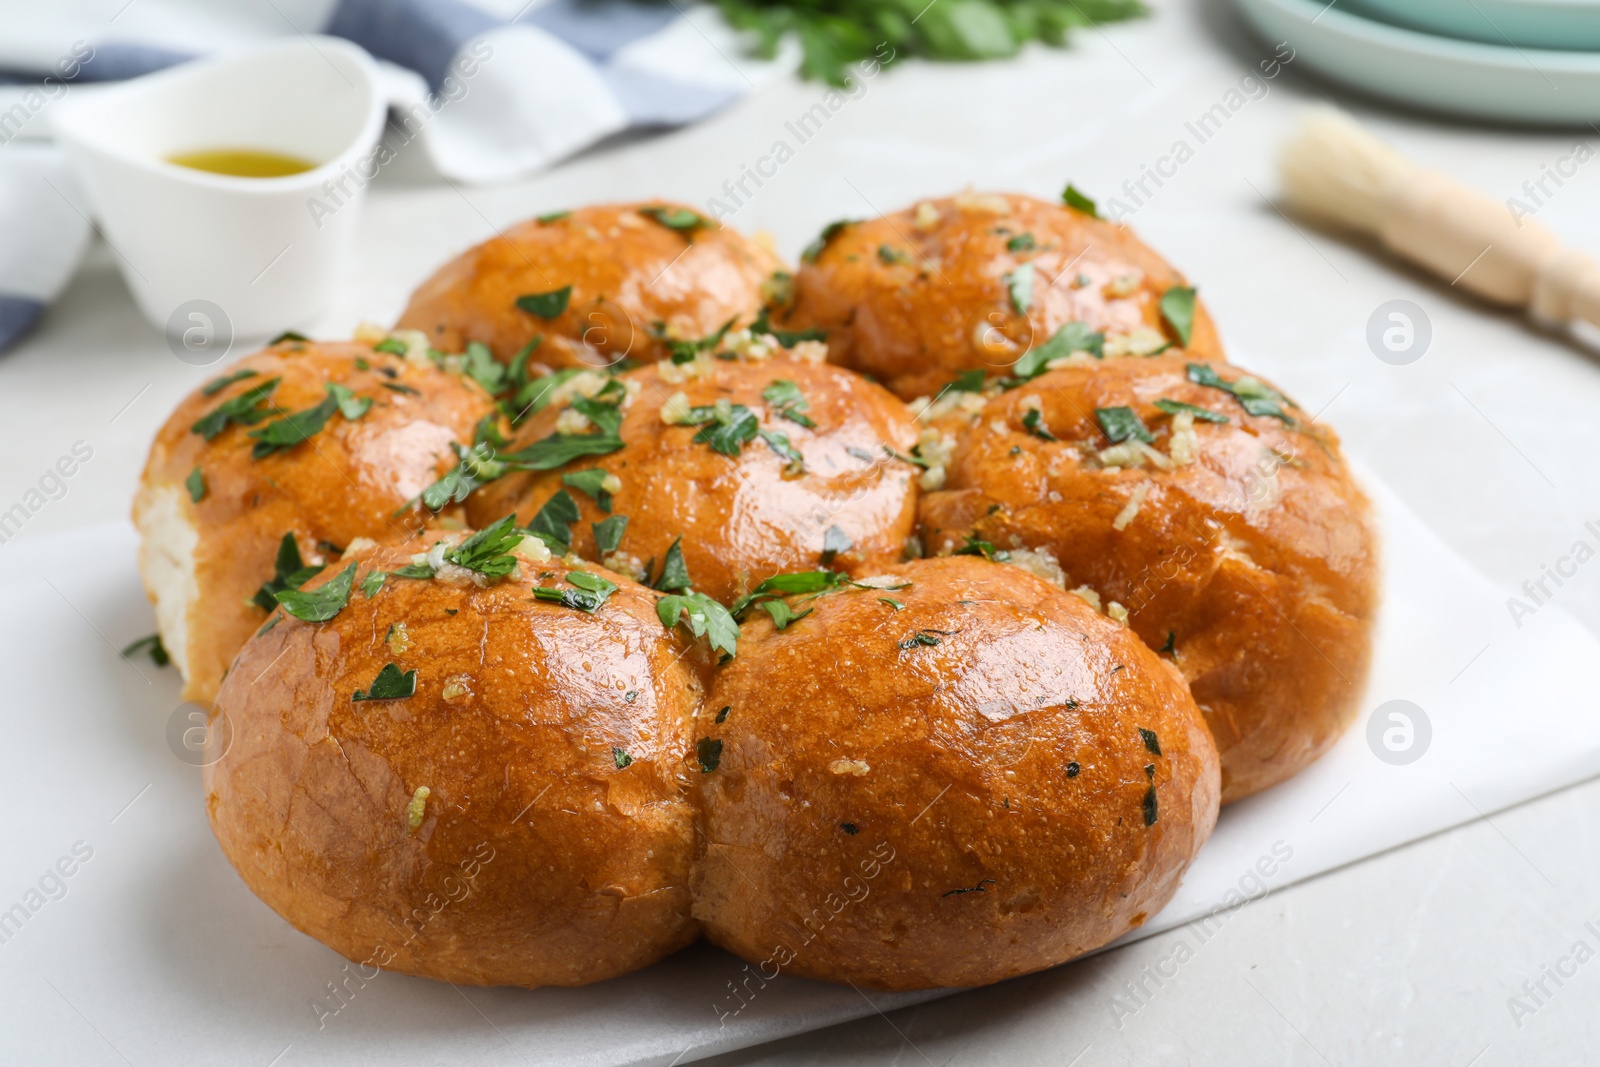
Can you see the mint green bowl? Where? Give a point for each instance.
(1569, 25)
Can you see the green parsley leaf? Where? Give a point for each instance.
(795, 462)
(553, 522)
(892, 602)
(674, 571)
(217, 385)
(488, 552)
(287, 335)
(487, 431)
(725, 427)
(479, 364)
(829, 232)
(620, 758)
(1121, 423)
(678, 218)
(401, 387)
(1173, 407)
(551, 216)
(151, 645)
(1019, 283)
(590, 592)
(890, 256)
(1072, 337)
(372, 583)
(1033, 422)
(1256, 397)
(608, 534)
(1177, 308)
(782, 614)
(1022, 242)
(924, 638)
(704, 617)
(196, 484)
(244, 409)
(1150, 740)
(787, 338)
(474, 467)
(708, 750)
(1150, 810)
(722, 716)
(289, 572)
(322, 603)
(592, 482)
(786, 400)
(392, 345)
(546, 305)
(1076, 200)
(415, 571)
(390, 684)
(834, 541)
(974, 546)
(971, 381)
(352, 407)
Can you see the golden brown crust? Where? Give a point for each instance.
(537, 860)
(908, 815)
(345, 482)
(740, 518)
(630, 276)
(1259, 557)
(918, 296)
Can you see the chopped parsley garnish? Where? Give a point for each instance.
(678, 218)
(551, 216)
(287, 335)
(1033, 422)
(794, 460)
(1177, 308)
(974, 546)
(590, 481)
(322, 603)
(1073, 337)
(487, 431)
(590, 592)
(488, 552)
(620, 758)
(546, 305)
(1072, 769)
(782, 614)
(372, 583)
(352, 407)
(892, 602)
(392, 345)
(217, 385)
(292, 429)
(479, 364)
(151, 645)
(474, 467)
(244, 409)
(849, 828)
(390, 684)
(722, 716)
(829, 232)
(289, 572)
(415, 571)
(1150, 740)
(1174, 407)
(971, 381)
(1071, 197)
(708, 750)
(1022, 242)
(688, 351)
(608, 534)
(196, 484)
(1150, 810)
(925, 638)
(725, 426)
(704, 617)
(786, 400)
(762, 326)
(835, 541)
(1121, 423)
(1019, 284)
(401, 387)
(553, 522)
(559, 449)
(1171, 647)
(889, 256)
(1254, 396)
(1150, 771)
(974, 889)
(674, 571)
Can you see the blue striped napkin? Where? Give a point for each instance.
(489, 94)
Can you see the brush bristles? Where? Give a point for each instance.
(1334, 170)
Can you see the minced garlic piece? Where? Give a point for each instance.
(532, 549)
(418, 807)
(631, 221)
(1139, 341)
(359, 544)
(1184, 445)
(398, 638)
(369, 333)
(626, 564)
(811, 351)
(989, 202)
(586, 384)
(1131, 508)
(573, 422)
(1133, 453)
(1124, 285)
(1040, 562)
(936, 449)
(416, 343)
(748, 346)
(675, 411)
(1088, 595)
(928, 409)
(855, 767)
(611, 483)
(927, 216)
(764, 239)
(457, 686)
(1117, 612)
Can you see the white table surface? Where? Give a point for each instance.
(1406, 958)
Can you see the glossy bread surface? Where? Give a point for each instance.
(949, 793)
(554, 842)
(631, 278)
(920, 296)
(1257, 560)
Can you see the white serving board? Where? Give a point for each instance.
(153, 951)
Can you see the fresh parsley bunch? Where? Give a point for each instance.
(837, 33)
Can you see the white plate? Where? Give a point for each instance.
(1505, 83)
(154, 951)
